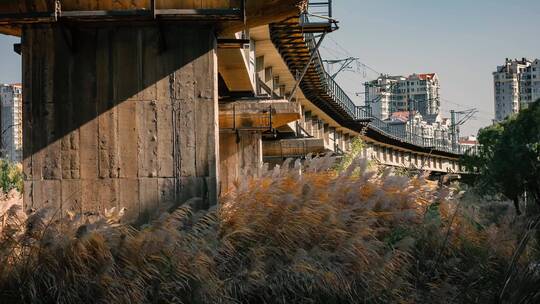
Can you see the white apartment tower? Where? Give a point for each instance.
(381, 95)
(516, 84)
(417, 92)
(11, 122)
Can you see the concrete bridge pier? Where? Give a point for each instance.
(241, 155)
(119, 115)
(242, 124)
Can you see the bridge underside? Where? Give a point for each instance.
(150, 114)
(121, 105)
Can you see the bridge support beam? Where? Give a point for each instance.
(291, 148)
(119, 116)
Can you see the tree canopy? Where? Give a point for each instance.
(508, 161)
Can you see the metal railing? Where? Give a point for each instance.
(320, 11)
(338, 95)
(320, 17)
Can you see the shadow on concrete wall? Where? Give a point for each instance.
(107, 103)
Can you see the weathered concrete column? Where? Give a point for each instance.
(119, 116)
(241, 156)
(326, 137)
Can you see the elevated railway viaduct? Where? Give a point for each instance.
(141, 104)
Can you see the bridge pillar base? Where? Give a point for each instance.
(119, 116)
(241, 157)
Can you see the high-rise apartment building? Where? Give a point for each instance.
(516, 84)
(417, 92)
(381, 95)
(11, 122)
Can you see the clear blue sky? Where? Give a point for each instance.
(461, 40)
(10, 62)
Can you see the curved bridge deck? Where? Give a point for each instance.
(296, 47)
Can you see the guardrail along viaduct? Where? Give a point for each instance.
(142, 103)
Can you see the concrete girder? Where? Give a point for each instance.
(292, 148)
(257, 115)
(229, 16)
(234, 68)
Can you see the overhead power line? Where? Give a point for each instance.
(345, 64)
(345, 53)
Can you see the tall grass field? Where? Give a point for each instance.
(315, 231)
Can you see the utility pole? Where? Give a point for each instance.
(411, 111)
(367, 98)
(459, 118)
(453, 129)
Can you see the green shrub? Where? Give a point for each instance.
(11, 176)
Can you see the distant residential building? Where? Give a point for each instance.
(429, 127)
(11, 122)
(469, 144)
(516, 84)
(388, 94)
(406, 122)
(437, 127)
(381, 95)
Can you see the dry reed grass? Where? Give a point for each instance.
(301, 233)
